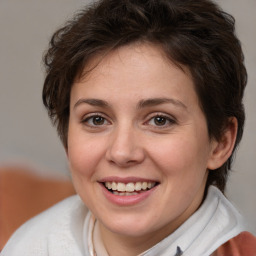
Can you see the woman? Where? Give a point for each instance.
(147, 99)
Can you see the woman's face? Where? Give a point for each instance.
(138, 145)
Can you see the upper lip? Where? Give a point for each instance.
(125, 179)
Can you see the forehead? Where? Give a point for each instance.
(127, 55)
(134, 69)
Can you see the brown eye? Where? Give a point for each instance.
(95, 120)
(98, 120)
(160, 120)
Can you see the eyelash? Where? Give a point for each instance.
(86, 119)
(168, 121)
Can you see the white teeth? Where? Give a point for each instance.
(138, 186)
(108, 185)
(129, 187)
(124, 194)
(121, 187)
(113, 186)
(151, 185)
(144, 185)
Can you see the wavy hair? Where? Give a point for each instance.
(194, 33)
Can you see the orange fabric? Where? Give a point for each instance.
(23, 195)
(242, 245)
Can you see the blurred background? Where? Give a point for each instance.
(28, 140)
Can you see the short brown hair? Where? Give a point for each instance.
(194, 33)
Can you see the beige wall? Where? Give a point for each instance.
(242, 183)
(26, 136)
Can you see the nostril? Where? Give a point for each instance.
(125, 157)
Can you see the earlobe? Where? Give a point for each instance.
(223, 148)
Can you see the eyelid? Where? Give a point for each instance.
(86, 117)
(162, 114)
(172, 120)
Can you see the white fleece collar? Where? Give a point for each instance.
(214, 223)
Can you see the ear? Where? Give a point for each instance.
(223, 148)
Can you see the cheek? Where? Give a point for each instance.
(181, 155)
(84, 158)
(84, 154)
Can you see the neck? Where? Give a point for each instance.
(117, 244)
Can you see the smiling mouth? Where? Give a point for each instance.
(129, 189)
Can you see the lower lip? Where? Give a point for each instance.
(127, 200)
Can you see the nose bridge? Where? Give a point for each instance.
(125, 148)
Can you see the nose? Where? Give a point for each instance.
(125, 148)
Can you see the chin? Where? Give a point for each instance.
(130, 227)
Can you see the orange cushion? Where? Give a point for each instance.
(23, 194)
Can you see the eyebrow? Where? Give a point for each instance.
(92, 102)
(158, 101)
(151, 102)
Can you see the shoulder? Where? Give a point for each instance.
(240, 245)
(38, 235)
(214, 223)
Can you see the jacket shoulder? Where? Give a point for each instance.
(242, 244)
